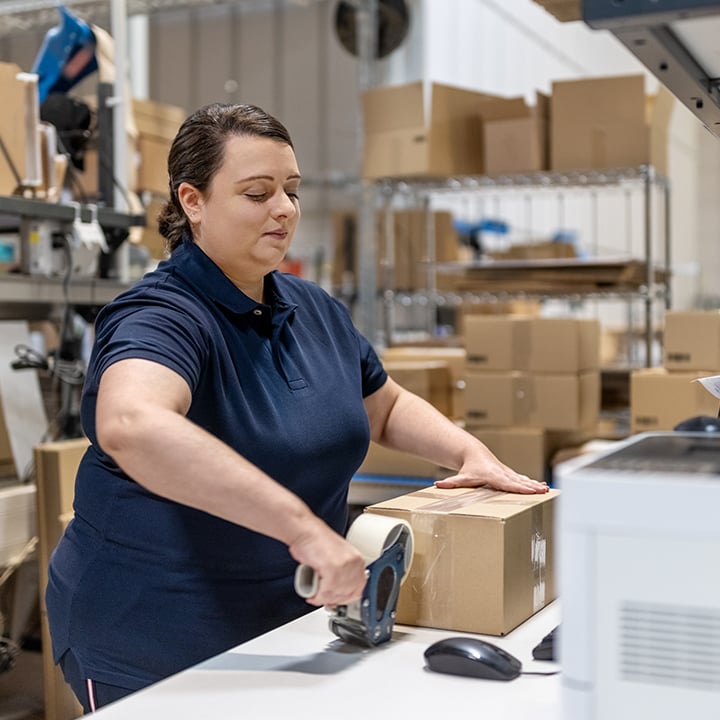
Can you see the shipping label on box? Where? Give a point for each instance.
(660, 399)
(483, 560)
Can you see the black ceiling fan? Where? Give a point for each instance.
(393, 21)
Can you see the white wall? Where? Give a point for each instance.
(514, 47)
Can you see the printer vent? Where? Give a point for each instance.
(670, 645)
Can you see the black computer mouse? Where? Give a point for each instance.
(472, 657)
(699, 423)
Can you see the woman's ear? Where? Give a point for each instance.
(191, 200)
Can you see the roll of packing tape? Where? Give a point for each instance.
(372, 535)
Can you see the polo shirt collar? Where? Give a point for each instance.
(196, 267)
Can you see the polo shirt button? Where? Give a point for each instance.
(257, 311)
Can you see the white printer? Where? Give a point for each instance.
(639, 569)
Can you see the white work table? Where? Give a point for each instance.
(301, 670)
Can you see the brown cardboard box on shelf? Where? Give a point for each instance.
(410, 248)
(522, 448)
(517, 342)
(692, 340)
(527, 450)
(454, 357)
(384, 461)
(518, 142)
(660, 399)
(149, 236)
(609, 122)
(403, 140)
(157, 123)
(13, 127)
(497, 398)
(483, 560)
(565, 401)
(430, 379)
(554, 401)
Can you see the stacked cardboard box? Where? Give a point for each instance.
(660, 398)
(532, 385)
(436, 130)
(453, 358)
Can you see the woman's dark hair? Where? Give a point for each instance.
(198, 150)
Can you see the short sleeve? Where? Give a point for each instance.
(373, 372)
(164, 335)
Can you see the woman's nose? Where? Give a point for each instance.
(285, 206)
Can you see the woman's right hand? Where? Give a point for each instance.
(338, 565)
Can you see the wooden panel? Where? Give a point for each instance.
(56, 464)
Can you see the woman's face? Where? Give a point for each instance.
(246, 219)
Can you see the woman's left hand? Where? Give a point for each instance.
(489, 472)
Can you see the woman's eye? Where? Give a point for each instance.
(293, 195)
(255, 198)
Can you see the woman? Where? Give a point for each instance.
(228, 406)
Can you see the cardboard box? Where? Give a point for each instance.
(518, 142)
(536, 344)
(404, 139)
(659, 399)
(497, 399)
(563, 10)
(483, 560)
(13, 126)
(157, 123)
(692, 340)
(148, 235)
(430, 379)
(527, 450)
(522, 448)
(608, 122)
(453, 357)
(565, 401)
(554, 401)
(384, 461)
(410, 258)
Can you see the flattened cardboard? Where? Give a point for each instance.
(483, 561)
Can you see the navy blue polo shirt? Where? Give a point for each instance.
(141, 587)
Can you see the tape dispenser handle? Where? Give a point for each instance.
(371, 535)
